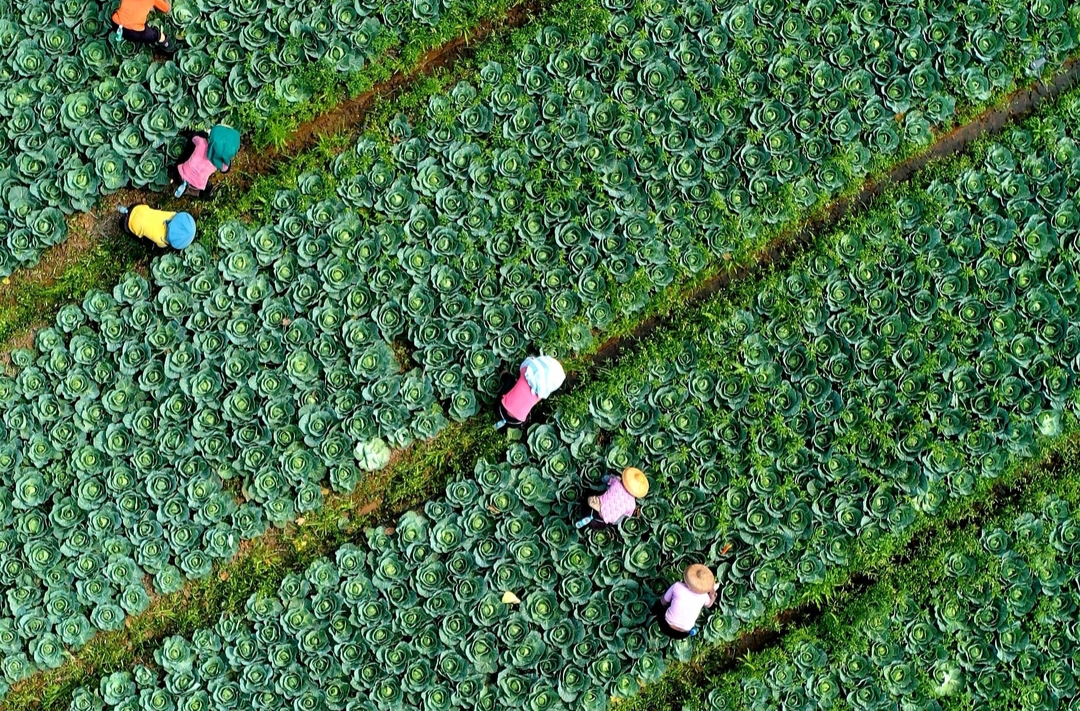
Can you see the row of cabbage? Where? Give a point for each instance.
(83, 113)
(993, 624)
(282, 364)
(818, 93)
(915, 355)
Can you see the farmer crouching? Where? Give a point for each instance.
(619, 501)
(129, 22)
(537, 378)
(204, 155)
(678, 610)
(165, 229)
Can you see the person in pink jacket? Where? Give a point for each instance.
(678, 610)
(204, 155)
(619, 501)
(538, 377)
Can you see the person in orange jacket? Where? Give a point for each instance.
(129, 22)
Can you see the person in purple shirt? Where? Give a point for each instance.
(678, 610)
(618, 502)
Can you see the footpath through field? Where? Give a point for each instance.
(819, 419)
(315, 304)
(981, 617)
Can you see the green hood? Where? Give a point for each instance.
(223, 144)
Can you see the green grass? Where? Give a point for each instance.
(421, 472)
(30, 301)
(329, 87)
(417, 475)
(1056, 473)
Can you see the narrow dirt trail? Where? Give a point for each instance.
(780, 251)
(386, 494)
(87, 231)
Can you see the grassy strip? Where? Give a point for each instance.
(869, 553)
(321, 538)
(717, 674)
(419, 473)
(36, 300)
(685, 685)
(330, 87)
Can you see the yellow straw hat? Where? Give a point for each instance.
(634, 481)
(699, 578)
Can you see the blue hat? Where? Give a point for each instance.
(180, 230)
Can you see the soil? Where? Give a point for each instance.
(778, 252)
(347, 118)
(784, 248)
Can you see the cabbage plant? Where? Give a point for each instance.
(923, 348)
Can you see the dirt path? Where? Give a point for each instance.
(88, 231)
(780, 251)
(419, 472)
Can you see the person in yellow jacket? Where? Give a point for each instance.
(163, 228)
(129, 22)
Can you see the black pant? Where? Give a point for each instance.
(660, 610)
(147, 35)
(124, 217)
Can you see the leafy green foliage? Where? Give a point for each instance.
(85, 114)
(989, 624)
(814, 416)
(387, 294)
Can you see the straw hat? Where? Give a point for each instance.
(634, 481)
(699, 579)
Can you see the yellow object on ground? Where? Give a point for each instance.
(147, 222)
(510, 598)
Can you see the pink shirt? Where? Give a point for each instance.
(520, 400)
(684, 606)
(196, 170)
(616, 502)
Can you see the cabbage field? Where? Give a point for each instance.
(558, 186)
(815, 421)
(996, 629)
(85, 115)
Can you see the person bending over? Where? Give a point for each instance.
(678, 610)
(129, 22)
(163, 228)
(538, 377)
(204, 155)
(619, 501)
